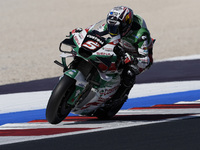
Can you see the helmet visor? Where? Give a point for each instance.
(113, 27)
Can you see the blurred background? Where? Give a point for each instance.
(30, 31)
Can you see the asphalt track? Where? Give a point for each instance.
(173, 135)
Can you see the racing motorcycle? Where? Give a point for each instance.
(90, 80)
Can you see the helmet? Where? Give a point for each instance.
(119, 20)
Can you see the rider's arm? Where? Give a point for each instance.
(145, 50)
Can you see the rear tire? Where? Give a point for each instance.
(107, 113)
(110, 109)
(57, 107)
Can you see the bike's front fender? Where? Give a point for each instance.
(80, 84)
(78, 76)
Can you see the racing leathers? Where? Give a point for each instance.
(134, 54)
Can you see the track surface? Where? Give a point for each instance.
(159, 129)
(176, 135)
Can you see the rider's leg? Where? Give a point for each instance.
(128, 80)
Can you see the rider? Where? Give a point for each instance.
(135, 45)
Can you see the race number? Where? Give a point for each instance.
(91, 45)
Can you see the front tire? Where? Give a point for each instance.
(57, 107)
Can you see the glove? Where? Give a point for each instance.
(123, 58)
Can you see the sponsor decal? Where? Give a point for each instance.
(81, 36)
(108, 91)
(103, 53)
(81, 85)
(76, 39)
(71, 73)
(77, 93)
(101, 99)
(74, 71)
(96, 39)
(108, 48)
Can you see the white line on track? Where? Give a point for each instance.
(100, 125)
(38, 100)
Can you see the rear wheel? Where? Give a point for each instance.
(110, 109)
(107, 113)
(57, 107)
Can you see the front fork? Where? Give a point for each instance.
(81, 85)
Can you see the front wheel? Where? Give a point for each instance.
(57, 107)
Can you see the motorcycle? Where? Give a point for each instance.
(90, 80)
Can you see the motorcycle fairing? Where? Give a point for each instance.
(93, 49)
(98, 97)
